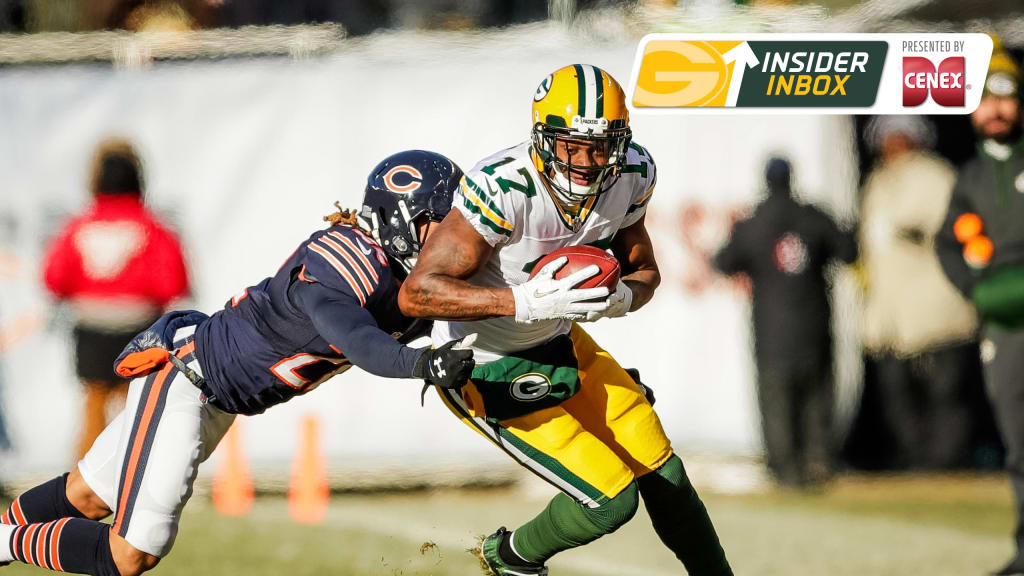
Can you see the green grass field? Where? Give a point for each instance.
(955, 525)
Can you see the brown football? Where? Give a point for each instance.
(581, 257)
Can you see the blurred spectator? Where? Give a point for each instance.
(12, 16)
(981, 248)
(5, 441)
(918, 330)
(784, 248)
(150, 15)
(119, 267)
(357, 16)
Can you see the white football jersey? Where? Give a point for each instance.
(507, 202)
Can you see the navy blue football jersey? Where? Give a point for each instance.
(263, 349)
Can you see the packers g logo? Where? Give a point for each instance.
(530, 387)
(684, 73)
(411, 177)
(542, 90)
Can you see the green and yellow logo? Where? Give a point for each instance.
(685, 74)
(758, 73)
(531, 386)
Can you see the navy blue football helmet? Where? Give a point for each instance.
(401, 190)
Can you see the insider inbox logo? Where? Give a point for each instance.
(921, 77)
(843, 73)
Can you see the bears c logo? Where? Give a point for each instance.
(403, 179)
(530, 387)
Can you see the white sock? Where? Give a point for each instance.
(512, 545)
(5, 538)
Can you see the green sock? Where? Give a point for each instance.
(565, 524)
(681, 521)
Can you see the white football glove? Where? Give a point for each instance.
(544, 298)
(618, 304)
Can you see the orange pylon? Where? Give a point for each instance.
(232, 483)
(308, 491)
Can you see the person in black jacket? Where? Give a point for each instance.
(981, 248)
(784, 248)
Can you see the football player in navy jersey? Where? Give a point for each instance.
(331, 305)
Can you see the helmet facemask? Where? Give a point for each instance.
(400, 236)
(605, 146)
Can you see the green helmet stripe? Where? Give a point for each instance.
(581, 105)
(600, 91)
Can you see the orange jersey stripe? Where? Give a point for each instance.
(41, 545)
(359, 253)
(187, 349)
(351, 261)
(19, 517)
(140, 440)
(26, 543)
(341, 270)
(55, 545)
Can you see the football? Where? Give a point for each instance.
(581, 257)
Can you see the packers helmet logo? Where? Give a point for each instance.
(530, 387)
(683, 73)
(403, 179)
(543, 89)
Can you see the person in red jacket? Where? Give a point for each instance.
(118, 267)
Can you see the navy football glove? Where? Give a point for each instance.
(448, 366)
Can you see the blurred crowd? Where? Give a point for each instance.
(940, 264)
(937, 254)
(357, 16)
(937, 257)
(922, 252)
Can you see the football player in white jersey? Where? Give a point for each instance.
(543, 391)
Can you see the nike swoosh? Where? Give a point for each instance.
(363, 248)
(538, 294)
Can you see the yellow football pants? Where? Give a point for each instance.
(590, 446)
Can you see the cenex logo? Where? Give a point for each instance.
(945, 84)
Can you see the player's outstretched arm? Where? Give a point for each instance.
(351, 329)
(342, 321)
(437, 287)
(635, 252)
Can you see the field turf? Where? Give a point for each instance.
(879, 526)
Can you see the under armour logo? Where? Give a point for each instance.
(438, 369)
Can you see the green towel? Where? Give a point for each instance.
(529, 380)
(999, 297)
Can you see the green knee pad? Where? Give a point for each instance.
(681, 521)
(565, 524)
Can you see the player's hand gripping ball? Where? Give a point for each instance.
(570, 284)
(579, 257)
(606, 274)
